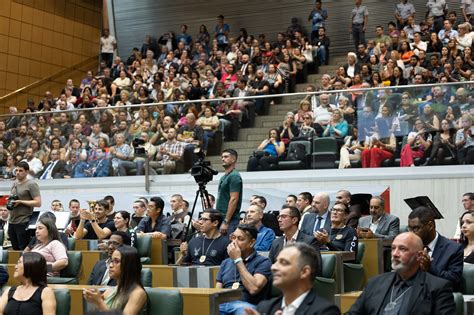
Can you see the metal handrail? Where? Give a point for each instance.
(404, 87)
(49, 78)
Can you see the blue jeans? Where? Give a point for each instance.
(321, 54)
(358, 35)
(234, 308)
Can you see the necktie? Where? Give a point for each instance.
(47, 172)
(318, 223)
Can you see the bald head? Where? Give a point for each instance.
(406, 250)
(320, 203)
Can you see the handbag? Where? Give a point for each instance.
(308, 54)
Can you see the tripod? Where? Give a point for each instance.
(205, 202)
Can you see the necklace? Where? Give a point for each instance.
(393, 303)
(203, 257)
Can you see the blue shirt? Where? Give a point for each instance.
(254, 263)
(162, 225)
(265, 238)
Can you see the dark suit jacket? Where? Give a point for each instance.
(388, 227)
(98, 272)
(58, 170)
(447, 261)
(309, 221)
(277, 246)
(312, 305)
(429, 295)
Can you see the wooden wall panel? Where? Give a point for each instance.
(40, 38)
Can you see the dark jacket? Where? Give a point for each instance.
(277, 246)
(98, 272)
(429, 295)
(447, 261)
(312, 305)
(310, 220)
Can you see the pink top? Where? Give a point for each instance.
(52, 252)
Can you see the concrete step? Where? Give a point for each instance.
(244, 133)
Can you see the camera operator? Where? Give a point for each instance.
(229, 195)
(169, 152)
(142, 149)
(24, 196)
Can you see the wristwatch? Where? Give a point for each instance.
(225, 221)
(92, 221)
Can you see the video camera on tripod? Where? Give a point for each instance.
(202, 170)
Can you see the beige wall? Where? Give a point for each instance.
(39, 38)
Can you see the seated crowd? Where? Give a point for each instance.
(176, 68)
(253, 258)
(371, 126)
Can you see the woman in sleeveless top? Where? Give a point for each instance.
(128, 296)
(32, 296)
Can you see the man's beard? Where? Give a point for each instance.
(402, 266)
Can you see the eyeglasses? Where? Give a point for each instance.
(114, 262)
(338, 210)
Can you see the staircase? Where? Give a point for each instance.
(250, 138)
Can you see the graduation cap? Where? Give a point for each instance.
(362, 201)
(423, 201)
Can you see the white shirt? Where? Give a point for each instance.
(108, 44)
(436, 7)
(293, 306)
(374, 225)
(35, 166)
(405, 10)
(293, 238)
(322, 114)
(432, 245)
(468, 6)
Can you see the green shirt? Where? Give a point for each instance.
(228, 183)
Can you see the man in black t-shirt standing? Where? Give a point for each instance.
(209, 249)
(98, 225)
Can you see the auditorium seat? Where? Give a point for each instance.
(146, 277)
(70, 274)
(71, 243)
(459, 301)
(467, 279)
(164, 302)
(324, 153)
(354, 273)
(144, 248)
(325, 286)
(296, 164)
(63, 301)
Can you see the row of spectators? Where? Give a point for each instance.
(98, 142)
(370, 126)
(303, 218)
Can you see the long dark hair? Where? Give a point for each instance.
(50, 225)
(130, 274)
(463, 239)
(126, 216)
(34, 268)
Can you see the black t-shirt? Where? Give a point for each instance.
(344, 239)
(91, 233)
(215, 250)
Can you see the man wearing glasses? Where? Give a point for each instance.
(378, 224)
(100, 272)
(209, 249)
(288, 221)
(341, 237)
